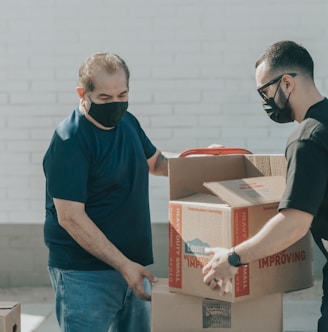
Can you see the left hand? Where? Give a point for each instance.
(218, 272)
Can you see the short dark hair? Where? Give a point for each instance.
(287, 56)
(100, 61)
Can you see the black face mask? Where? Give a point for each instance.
(109, 114)
(277, 114)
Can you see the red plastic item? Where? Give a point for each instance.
(214, 151)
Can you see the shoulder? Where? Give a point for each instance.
(70, 126)
(130, 118)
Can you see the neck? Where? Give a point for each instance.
(305, 101)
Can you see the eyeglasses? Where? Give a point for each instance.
(275, 80)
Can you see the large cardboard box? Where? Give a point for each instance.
(247, 191)
(10, 317)
(173, 312)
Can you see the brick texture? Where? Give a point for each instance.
(192, 77)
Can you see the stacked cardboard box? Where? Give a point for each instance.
(220, 202)
(10, 317)
(173, 312)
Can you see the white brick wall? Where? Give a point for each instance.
(192, 83)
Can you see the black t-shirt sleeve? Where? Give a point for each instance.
(66, 166)
(306, 177)
(148, 147)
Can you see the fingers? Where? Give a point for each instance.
(139, 289)
(208, 277)
(214, 284)
(223, 286)
(151, 277)
(208, 266)
(206, 269)
(140, 292)
(209, 250)
(216, 146)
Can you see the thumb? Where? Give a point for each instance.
(151, 277)
(209, 250)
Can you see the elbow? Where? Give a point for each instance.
(64, 222)
(302, 225)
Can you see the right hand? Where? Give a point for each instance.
(134, 275)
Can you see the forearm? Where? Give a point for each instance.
(283, 230)
(89, 237)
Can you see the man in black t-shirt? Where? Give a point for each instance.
(97, 224)
(284, 77)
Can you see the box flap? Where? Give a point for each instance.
(187, 175)
(7, 305)
(249, 191)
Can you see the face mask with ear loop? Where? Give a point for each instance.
(280, 115)
(108, 114)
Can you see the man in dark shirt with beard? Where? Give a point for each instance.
(284, 77)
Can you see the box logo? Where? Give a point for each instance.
(196, 247)
(195, 255)
(216, 314)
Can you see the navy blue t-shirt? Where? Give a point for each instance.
(106, 170)
(307, 168)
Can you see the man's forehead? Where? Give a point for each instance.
(104, 80)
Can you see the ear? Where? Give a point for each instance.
(289, 82)
(80, 91)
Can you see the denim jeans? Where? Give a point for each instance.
(323, 320)
(98, 301)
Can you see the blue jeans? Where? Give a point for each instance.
(99, 301)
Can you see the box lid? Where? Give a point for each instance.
(7, 305)
(249, 191)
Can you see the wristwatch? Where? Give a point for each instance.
(234, 259)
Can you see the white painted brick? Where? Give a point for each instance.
(24, 73)
(27, 122)
(4, 98)
(201, 109)
(180, 47)
(140, 97)
(244, 132)
(14, 134)
(158, 109)
(32, 98)
(192, 77)
(176, 121)
(176, 97)
(177, 72)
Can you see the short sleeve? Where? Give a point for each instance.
(306, 176)
(148, 147)
(66, 166)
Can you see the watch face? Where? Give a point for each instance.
(234, 259)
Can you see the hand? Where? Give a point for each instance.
(215, 146)
(218, 272)
(134, 275)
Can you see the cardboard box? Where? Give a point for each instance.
(247, 191)
(10, 317)
(185, 313)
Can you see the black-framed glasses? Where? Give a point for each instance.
(273, 81)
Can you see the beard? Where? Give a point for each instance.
(283, 103)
